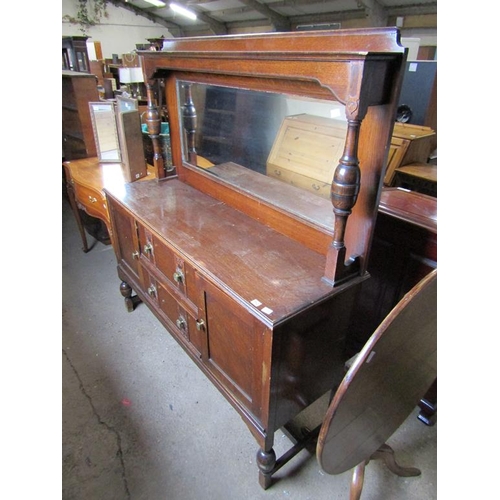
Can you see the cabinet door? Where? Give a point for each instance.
(127, 243)
(237, 349)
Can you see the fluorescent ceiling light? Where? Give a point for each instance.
(156, 3)
(182, 11)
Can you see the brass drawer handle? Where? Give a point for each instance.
(148, 248)
(181, 323)
(152, 291)
(179, 276)
(316, 187)
(277, 172)
(135, 255)
(92, 199)
(200, 325)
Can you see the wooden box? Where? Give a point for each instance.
(131, 145)
(306, 152)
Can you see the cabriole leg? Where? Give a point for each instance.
(386, 453)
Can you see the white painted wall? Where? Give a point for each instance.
(127, 29)
(412, 44)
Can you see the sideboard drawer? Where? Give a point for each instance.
(92, 201)
(167, 262)
(189, 328)
(181, 322)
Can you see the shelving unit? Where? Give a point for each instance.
(74, 53)
(218, 122)
(78, 89)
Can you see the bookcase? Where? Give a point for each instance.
(78, 89)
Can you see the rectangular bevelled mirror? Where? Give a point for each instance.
(254, 139)
(107, 142)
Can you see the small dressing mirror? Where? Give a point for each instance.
(105, 131)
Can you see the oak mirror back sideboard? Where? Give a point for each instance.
(251, 249)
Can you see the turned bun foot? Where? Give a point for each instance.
(130, 301)
(266, 460)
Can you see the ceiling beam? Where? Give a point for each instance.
(328, 17)
(370, 8)
(375, 13)
(279, 22)
(215, 26)
(298, 3)
(413, 10)
(175, 29)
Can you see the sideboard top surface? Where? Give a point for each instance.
(250, 260)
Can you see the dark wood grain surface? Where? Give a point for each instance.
(254, 261)
(386, 381)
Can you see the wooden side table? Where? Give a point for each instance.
(85, 181)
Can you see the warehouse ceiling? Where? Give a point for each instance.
(222, 17)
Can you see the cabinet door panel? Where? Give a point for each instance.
(125, 231)
(235, 348)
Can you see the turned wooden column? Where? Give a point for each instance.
(190, 122)
(344, 193)
(153, 121)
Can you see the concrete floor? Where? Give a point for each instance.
(141, 422)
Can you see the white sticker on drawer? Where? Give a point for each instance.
(256, 303)
(266, 310)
